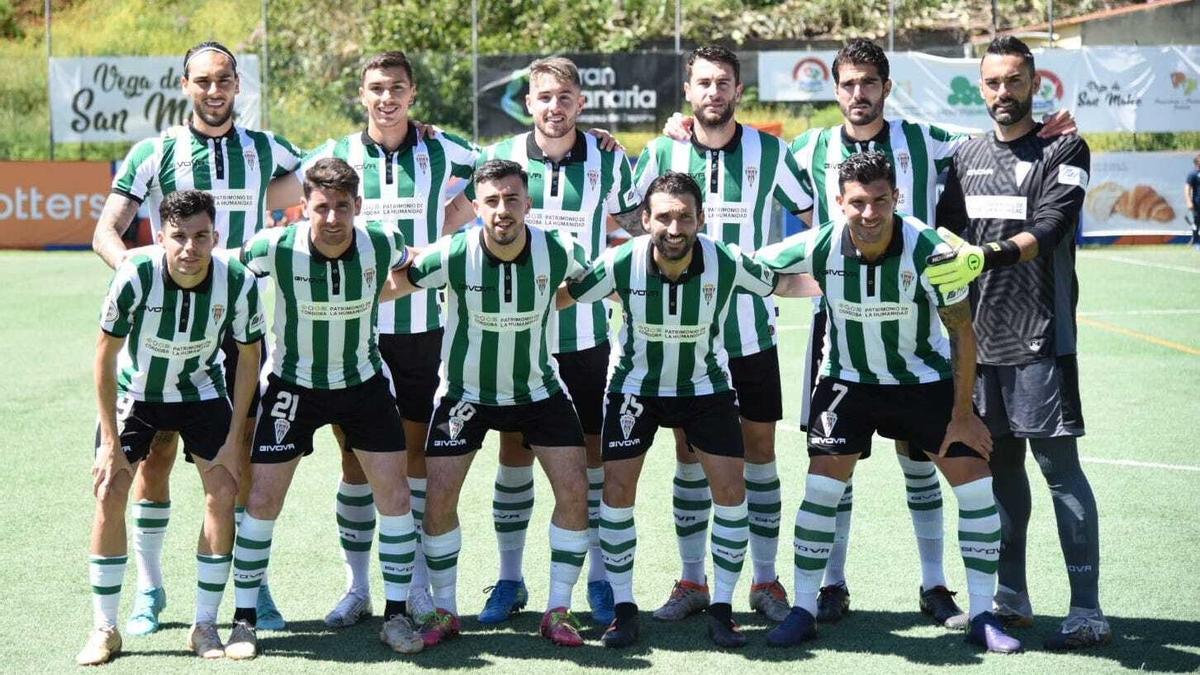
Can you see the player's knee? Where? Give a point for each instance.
(352, 471)
(392, 500)
(728, 492)
(221, 488)
(113, 496)
(513, 451)
(619, 489)
(262, 504)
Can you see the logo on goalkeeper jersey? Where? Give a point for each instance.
(281, 429)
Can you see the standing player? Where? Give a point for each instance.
(675, 287)
(175, 303)
(575, 185)
(740, 170)
(497, 373)
(403, 181)
(1016, 197)
(888, 368)
(1191, 195)
(326, 369)
(243, 170)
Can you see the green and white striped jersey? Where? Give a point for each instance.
(235, 169)
(883, 321)
(173, 347)
(574, 196)
(918, 153)
(407, 189)
(670, 341)
(738, 181)
(499, 315)
(325, 308)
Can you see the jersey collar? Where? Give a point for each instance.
(348, 254)
(169, 284)
(732, 146)
(695, 267)
(884, 137)
(493, 260)
(409, 142)
(578, 153)
(204, 138)
(895, 245)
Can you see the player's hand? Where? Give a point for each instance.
(606, 140)
(951, 273)
(229, 456)
(968, 429)
(425, 130)
(109, 463)
(678, 127)
(1058, 124)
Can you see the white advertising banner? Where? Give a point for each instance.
(795, 76)
(1137, 193)
(128, 98)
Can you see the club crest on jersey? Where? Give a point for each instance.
(751, 175)
(826, 421)
(423, 162)
(710, 292)
(218, 313)
(903, 159)
(250, 157)
(281, 429)
(369, 277)
(906, 279)
(542, 282)
(593, 176)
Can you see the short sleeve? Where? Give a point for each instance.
(751, 276)
(647, 167)
(789, 183)
(248, 321)
(285, 156)
(597, 281)
(137, 173)
(461, 154)
(429, 268)
(793, 255)
(258, 255)
(943, 145)
(623, 197)
(124, 293)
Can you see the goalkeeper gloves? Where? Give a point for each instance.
(954, 271)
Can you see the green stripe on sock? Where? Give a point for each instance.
(247, 584)
(810, 564)
(691, 504)
(513, 506)
(762, 487)
(986, 537)
(398, 538)
(365, 500)
(118, 560)
(978, 513)
(359, 525)
(926, 488)
(764, 531)
(254, 544)
(512, 527)
(106, 590)
(728, 543)
(514, 490)
(441, 563)
(214, 559)
(612, 525)
(814, 535)
(917, 476)
(689, 530)
(247, 565)
(397, 578)
(356, 545)
(773, 507)
(154, 505)
(574, 559)
(615, 549)
(150, 523)
(985, 566)
(691, 484)
(827, 511)
(726, 564)
(718, 521)
(925, 506)
(618, 569)
(211, 588)
(400, 558)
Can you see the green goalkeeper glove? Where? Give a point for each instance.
(951, 272)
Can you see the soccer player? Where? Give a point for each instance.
(1191, 195)
(888, 368)
(159, 368)
(577, 184)
(244, 171)
(740, 170)
(404, 177)
(1016, 197)
(496, 373)
(675, 286)
(326, 369)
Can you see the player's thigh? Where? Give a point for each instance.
(290, 416)
(756, 380)
(630, 424)
(711, 423)
(585, 373)
(841, 424)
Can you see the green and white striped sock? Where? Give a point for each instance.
(441, 557)
(925, 507)
(595, 477)
(731, 528)
(512, 506)
(835, 569)
(212, 573)
(618, 541)
(692, 503)
(568, 548)
(106, 574)
(356, 528)
(815, 522)
(251, 553)
(979, 541)
(416, 487)
(397, 550)
(149, 529)
(763, 500)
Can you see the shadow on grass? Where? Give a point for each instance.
(1141, 643)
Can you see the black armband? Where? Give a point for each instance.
(1000, 254)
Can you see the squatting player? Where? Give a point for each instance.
(888, 368)
(326, 369)
(159, 368)
(244, 171)
(1016, 198)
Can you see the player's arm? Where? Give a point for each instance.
(1187, 191)
(791, 262)
(118, 213)
(679, 126)
(459, 212)
(245, 380)
(398, 285)
(965, 426)
(285, 191)
(110, 459)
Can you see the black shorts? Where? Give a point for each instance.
(413, 361)
(1034, 400)
(230, 348)
(458, 427)
(585, 373)
(290, 414)
(812, 362)
(756, 380)
(203, 426)
(846, 414)
(710, 423)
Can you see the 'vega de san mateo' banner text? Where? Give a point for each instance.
(1142, 89)
(128, 98)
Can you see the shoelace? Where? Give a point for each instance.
(567, 618)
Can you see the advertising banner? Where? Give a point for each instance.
(1137, 193)
(795, 76)
(51, 204)
(622, 92)
(128, 98)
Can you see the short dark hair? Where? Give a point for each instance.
(499, 169)
(862, 52)
(865, 167)
(386, 61)
(674, 183)
(183, 204)
(716, 54)
(208, 46)
(331, 173)
(560, 68)
(1007, 45)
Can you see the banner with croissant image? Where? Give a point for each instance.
(1137, 194)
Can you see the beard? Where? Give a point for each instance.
(868, 117)
(507, 237)
(661, 245)
(1017, 111)
(213, 119)
(557, 131)
(716, 119)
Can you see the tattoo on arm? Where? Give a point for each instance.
(957, 318)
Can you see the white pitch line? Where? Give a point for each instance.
(1141, 263)
(1140, 312)
(1084, 459)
